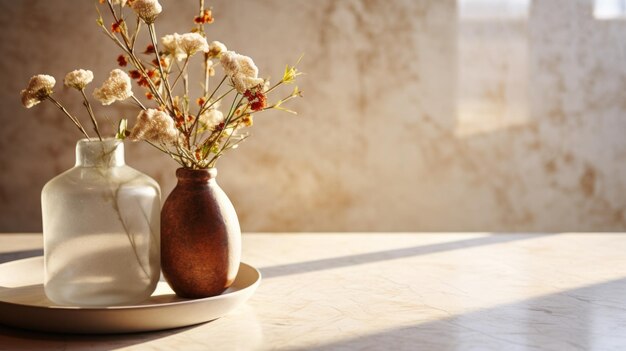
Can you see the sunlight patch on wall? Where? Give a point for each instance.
(492, 66)
(609, 9)
(493, 9)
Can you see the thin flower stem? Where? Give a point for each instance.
(200, 28)
(129, 50)
(214, 102)
(181, 72)
(120, 22)
(205, 108)
(158, 147)
(91, 114)
(282, 101)
(138, 102)
(233, 107)
(134, 39)
(115, 40)
(151, 85)
(185, 154)
(206, 73)
(156, 53)
(138, 65)
(72, 118)
(176, 157)
(164, 150)
(221, 152)
(185, 91)
(274, 87)
(201, 13)
(129, 44)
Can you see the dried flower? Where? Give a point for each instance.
(291, 72)
(171, 47)
(149, 49)
(247, 120)
(216, 48)
(194, 136)
(151, 74)
(147, 10)
(78, 79)
(116, 27)
(39, 88)
(212, 118)
(207, 17)
(191, 43)
(154, 126)
(185, 45)
(116, 87)
(256, 98)
(121, 60)
(134, 74)
(241, 70)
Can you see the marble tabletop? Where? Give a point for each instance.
(399, 291)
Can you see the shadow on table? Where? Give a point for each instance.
(586, 318)
(18, 339)
(239, 330)
(18, 255)
(370, 257)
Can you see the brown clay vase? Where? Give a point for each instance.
(200, 236)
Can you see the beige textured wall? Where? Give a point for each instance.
(416, 116)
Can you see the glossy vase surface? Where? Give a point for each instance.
(200, 236)
(101, 230)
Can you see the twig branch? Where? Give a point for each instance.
(91, 114)
(72, 118)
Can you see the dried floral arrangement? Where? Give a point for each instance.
(194, 132)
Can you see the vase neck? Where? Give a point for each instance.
(95, 153)
(186, 175)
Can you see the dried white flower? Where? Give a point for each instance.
(39, 88)
(154, 126)
(241, 70)
(116, 87)
(216, 48)
(78, 79)
(185, 45)
(191, 43)
(147, 10)
(212, 118)
(171, 47)
(118, 2)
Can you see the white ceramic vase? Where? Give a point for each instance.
(101, 230)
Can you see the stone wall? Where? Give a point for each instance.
(418, 115)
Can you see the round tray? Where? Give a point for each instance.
(23, 304)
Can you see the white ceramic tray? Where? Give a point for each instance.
(23, 304)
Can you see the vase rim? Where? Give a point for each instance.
(196, 174)
(109, 140)
(95, 153)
